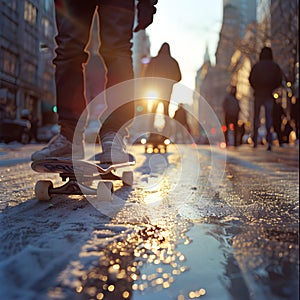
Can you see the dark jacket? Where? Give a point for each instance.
(266, 75)
(164, 65)
(180, 116)
(231, 106)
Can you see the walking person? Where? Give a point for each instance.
(265, 76)
(231, 110)
(73, 20)
(181, 125)
(163, 66)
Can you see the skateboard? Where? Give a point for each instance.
(79, 176)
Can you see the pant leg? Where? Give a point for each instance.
(277, 129)
(227, 123)
(73, 20)
(154, 106)
(268, 115)
(235, 132)
(166, 108)
(256, 121)
(116, 25)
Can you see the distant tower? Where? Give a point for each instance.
(206, 55)
(201, 73)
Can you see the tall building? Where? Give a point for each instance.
(247, 13)
(279, 28)
(27, 30)
(201, 75)
(276, 26)
(237, 14)
(26, 71)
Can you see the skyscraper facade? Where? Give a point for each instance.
(26, 42)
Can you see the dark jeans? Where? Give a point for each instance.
(279, 133)
(231, 120)
(73, 18)
(268, 105)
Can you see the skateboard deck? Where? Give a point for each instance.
(78, 176)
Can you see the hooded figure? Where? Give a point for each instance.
(231, 108)
(265, 76)
(163, 66)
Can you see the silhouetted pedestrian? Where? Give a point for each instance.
(163, 66)
(265, 76)
(231, 110)
(181, 124)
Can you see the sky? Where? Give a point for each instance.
(188, 26)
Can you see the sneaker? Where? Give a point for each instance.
(59, 146)
(113, 149)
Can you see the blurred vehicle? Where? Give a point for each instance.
(136, 140)
(47, 132)
(155, 143)
(15, 130)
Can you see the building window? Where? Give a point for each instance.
(29, 42)
(31, 71)
(46, 27)
(10, 27)
(30, 13)
(8, 104)
(47, 5)
(47, 79)
(9, 62)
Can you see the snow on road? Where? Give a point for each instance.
(68, 249)
(47, 247)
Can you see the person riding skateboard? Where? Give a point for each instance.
(73, 20)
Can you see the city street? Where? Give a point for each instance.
(198, 222)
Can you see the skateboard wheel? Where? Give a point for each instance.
(42, 188)
(127, 178)
(104, 191)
